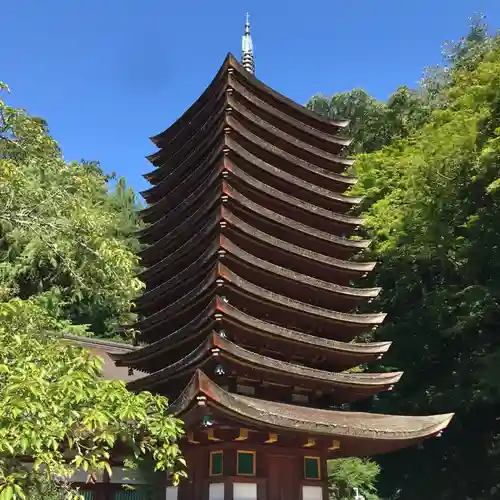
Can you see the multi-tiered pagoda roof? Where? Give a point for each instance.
(252, 304)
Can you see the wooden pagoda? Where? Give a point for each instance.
(249, 313)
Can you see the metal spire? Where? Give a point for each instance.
(247, 59)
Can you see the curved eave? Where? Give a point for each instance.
(200, 325)
(188, 116)
(203, 289)
(210, 166)
(290, 224)
(157, 229)
(110, 347)
(210, 146)
(291, 202)
(216, 346)
(301, 112)
(287, 160)
(232, 280)
(273, 242)
(233, 143)
(172, 165)
(192, 268)
(205, 131)
(287, 120)
(195, 171)
(176, 277)
(290, 276)
(356, 269)
(173, 277)
(200, 162)
(197, 196)
(327, 423)
(247, 119)
(197, 238)
(200, 290)
(291, 113)
(153, 252)
(355, 381)
(362, 352)
(294, 181)
(179, 368)
(169, 154)
(356, 353)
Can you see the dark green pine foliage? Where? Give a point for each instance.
(433, 216)
(432, 198)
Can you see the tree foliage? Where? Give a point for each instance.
(66, 266)
(429, 172)
(56, 409)
(345, 475)
(374, 124)
(61, 233)
(433, 217)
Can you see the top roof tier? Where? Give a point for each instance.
(295, 130)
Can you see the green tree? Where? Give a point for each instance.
(42, 489)
(373, 124)
(125, 205)
(61, 232)
(56, 409)
(466, 53)
(66, 266)
(432, 194)
(346, 474)
(434, 199)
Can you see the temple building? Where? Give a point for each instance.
(249, 319)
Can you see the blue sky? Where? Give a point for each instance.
(107, 74)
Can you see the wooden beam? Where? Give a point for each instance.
(243, 435)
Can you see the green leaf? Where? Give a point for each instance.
(7, 492)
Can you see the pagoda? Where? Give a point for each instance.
(250, 316)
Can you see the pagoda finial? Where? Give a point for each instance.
(247, 59)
